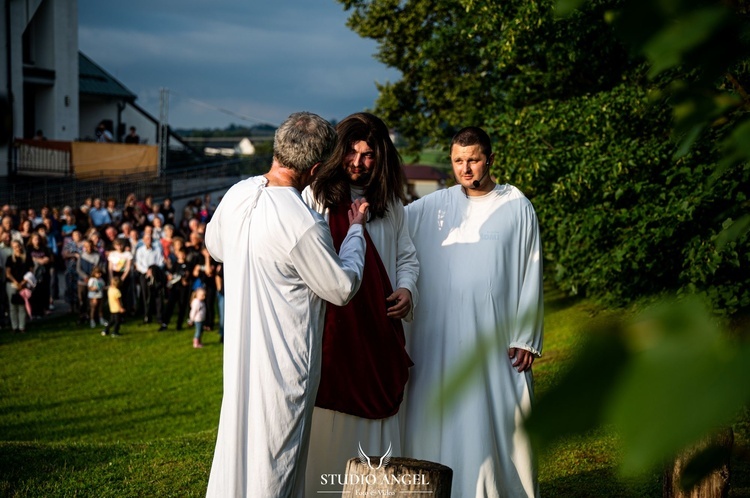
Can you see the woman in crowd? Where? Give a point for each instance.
(51, 232)
(88, 260)
(25, 230)
(166, 240)
(167, 210)
(16, 267)
(187, 215)
(96, 239)
(71, 251)
(119, 264)
(69, 222)
(41, 258)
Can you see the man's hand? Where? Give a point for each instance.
(358, 212)
(399, 303)
(523, 358)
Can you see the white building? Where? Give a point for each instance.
(39, 69)
(52, 87)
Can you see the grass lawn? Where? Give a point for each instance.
(85, 415)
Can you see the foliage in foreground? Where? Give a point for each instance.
(663, 380)
(648, 385)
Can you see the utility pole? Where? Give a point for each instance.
(163, 130)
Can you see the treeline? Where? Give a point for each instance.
(624, 122)
(233, 130)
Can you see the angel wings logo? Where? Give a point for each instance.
(384, 460)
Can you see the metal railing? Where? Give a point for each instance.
(49, 158)
(176, 183)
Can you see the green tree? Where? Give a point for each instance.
(606, 118)
(467, 61)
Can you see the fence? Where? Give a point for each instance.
(176, 183)
(53, 158)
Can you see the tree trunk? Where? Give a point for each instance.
(420, 477)
(716, 483)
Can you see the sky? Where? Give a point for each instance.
(234, 61)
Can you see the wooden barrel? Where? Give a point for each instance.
(716, 483)
(396, 477)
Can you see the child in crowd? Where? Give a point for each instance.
(29, 282)
(95, 295)
(115, 307)
(198, 315)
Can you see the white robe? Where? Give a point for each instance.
(279, 269)
(334, 435)
(480, 280)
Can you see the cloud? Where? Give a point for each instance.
(269, 59)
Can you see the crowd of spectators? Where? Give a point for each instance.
(158, 259)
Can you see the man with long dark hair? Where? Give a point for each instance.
(365, 364)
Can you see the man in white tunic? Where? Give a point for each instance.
(480, 287)
(280, 268)
(365, 364)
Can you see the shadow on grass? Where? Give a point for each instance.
(556, 300)
(24, 463)
(175, 467)
(600, 483)
(126, 422)
(39, 407)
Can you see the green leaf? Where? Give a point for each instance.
(668, 47)
(564, 8)
(685, 382)
(688, 140)
(734, 231)
(586, 385)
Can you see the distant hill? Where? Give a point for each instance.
(233, 130)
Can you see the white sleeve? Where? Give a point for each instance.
(412, 217)
(407, 265)
(528, 331)
(159, 256)
(138, 257)
(332, 277)
(312, 203)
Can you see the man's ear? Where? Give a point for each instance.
(314, 170)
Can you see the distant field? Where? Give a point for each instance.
(429, 157)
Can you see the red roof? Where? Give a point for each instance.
(423, 172)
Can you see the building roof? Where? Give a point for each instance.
(423, 172)
(93, 80)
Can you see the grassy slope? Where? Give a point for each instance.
(85, 415)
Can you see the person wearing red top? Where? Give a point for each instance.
(365, 364)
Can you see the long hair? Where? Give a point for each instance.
(22, 256)
(386, 183)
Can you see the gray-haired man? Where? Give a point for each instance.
(280, 268)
